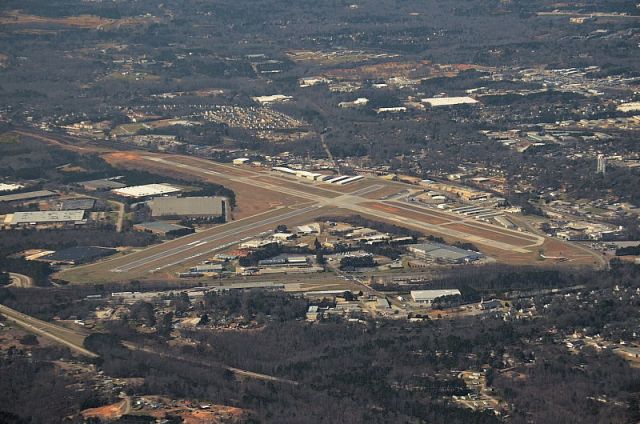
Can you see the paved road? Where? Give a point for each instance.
(20, 280)
(72, 339)
(236, 371)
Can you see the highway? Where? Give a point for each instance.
(236, 371)
(72, 339)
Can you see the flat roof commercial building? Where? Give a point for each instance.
(427, 296)
(103, 184)
(192, 207)
(449, 101)
(9, 187)
(30, 195)
(71, 204)
(146, 190)
(443, 253)
(45, 217)
(163, 229)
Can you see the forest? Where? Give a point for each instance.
(380, 371)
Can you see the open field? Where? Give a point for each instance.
(250, 198)
(15, 17)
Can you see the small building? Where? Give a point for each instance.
(427, 296)
(207, 268)
(490, 304)
(283, 236)
(275, 98)
(313, 314)
(163, 229)
(240, 161)
(397, 109)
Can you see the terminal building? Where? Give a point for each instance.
(209, 207)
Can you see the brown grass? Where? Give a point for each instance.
(15, 17)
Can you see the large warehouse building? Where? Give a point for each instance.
(427, 296)
(146, 190)
(208, 207)
(74, 217)
(443, 253)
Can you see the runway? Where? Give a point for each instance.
(292, 201)
(194, 249)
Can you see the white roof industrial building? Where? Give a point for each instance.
(449, 101)
(146, 190)
(427, 296)
(187, 206)
(45, 217)
(9, 187)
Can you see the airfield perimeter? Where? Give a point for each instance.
(266, 199)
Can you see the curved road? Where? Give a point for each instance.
(20, 280)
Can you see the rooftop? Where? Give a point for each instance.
(27, 196)
(146, 190)
(44, 217)
(449, 101)
(160, 226)
(429, 295)
(442, 251)
(187, 206)
(103, 184)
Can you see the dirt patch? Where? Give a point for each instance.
(115, 157)
(107, 412)
(215, 414)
